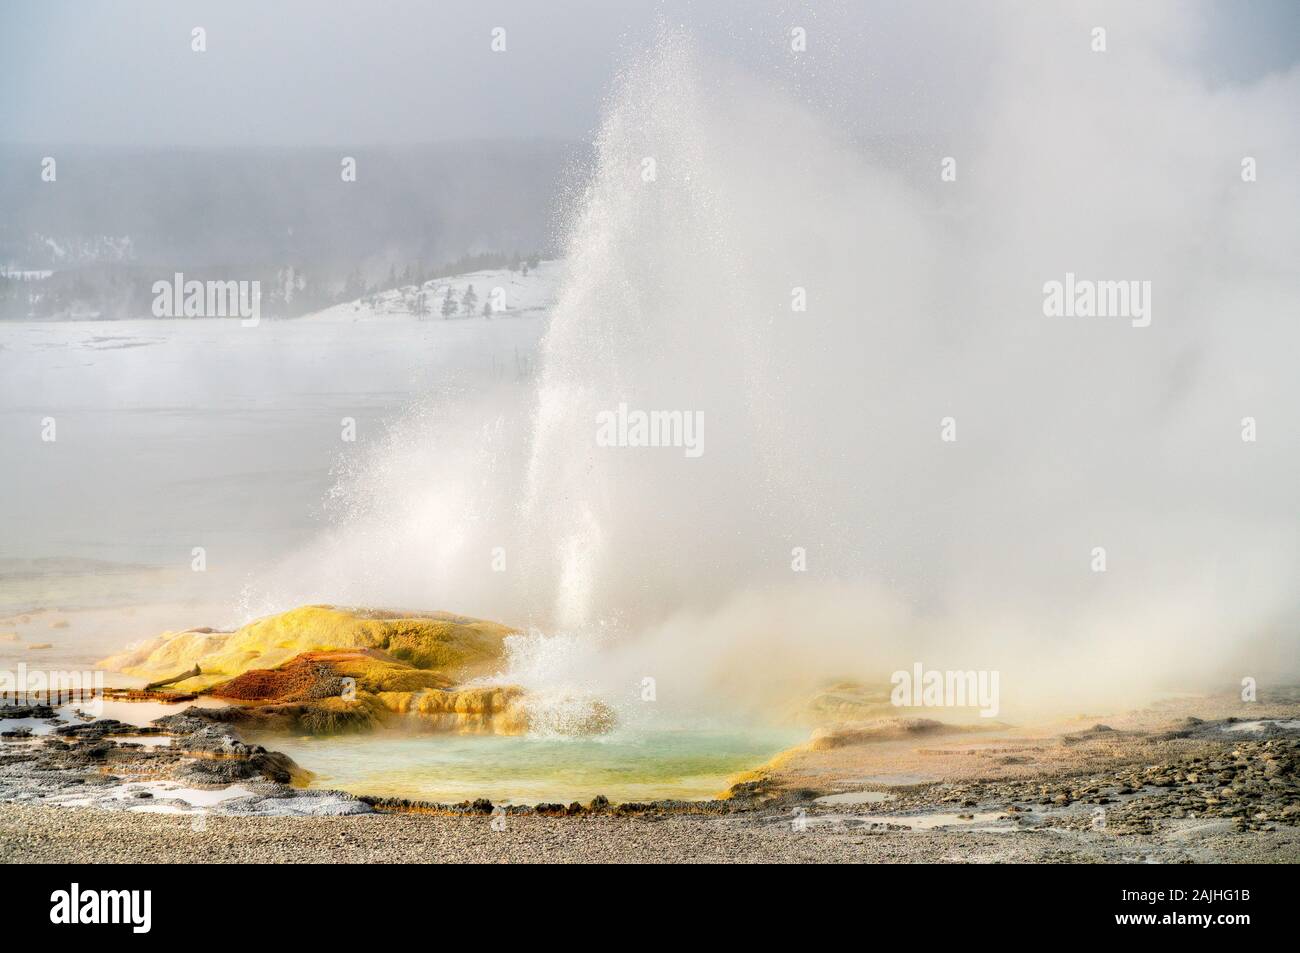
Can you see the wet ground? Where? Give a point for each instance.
(1157, 785)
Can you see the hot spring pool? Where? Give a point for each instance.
(641, 766)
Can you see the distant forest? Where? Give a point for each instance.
(94, 241)
(122, 291)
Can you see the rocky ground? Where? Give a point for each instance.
(34, 833)
(67, 758)
(1156, 785)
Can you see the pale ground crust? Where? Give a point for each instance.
(32, 834)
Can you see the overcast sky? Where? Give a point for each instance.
(298, 72)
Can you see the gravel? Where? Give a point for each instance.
(46, 834)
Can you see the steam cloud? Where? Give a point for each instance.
(823, 427)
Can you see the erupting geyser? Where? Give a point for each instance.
(831, 320)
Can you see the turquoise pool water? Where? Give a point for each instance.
(642, 766)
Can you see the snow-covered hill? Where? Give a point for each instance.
(506, 293)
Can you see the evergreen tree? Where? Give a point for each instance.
(449, 304)
(353, 287)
